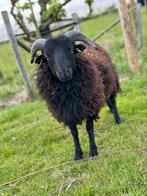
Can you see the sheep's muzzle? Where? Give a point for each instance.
(65, 75)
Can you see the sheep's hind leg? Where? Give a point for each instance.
(78, 150)
(113, 108)
(90, 130)
(109, 103)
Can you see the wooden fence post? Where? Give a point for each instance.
(139, 27)
(128, 36)
(76, 20)
(13, 42)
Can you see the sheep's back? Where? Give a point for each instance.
(104, 64)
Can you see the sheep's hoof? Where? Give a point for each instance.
(117, 121)
(93, 153)
(78, 156)
(111, 110)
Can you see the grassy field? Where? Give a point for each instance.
(31, 140)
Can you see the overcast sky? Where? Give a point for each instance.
(4, 4)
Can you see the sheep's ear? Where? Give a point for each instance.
(79, 48)
(39, 59)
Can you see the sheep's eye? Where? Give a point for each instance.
(46, 58)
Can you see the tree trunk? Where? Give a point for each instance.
(43, 9)
(90, 10)
(48, 22)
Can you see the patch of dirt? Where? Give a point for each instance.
(124, 79)
(18, 98)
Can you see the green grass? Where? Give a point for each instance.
(31, 140)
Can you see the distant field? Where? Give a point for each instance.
(31, 140)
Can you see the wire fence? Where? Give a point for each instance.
(107, 36)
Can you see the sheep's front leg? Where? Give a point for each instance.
(78, 150)
(90, 130)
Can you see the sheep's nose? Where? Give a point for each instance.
(68, 72)
(65, 75)
(61, 74)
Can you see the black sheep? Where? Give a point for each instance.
(75, 81)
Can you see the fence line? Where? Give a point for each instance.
(62, 27)
(112, 25)
(76, 22)
(71, 24)
(48, 31)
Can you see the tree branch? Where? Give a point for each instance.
(19, 18)
(54, 16)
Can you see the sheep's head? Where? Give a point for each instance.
(59, 53)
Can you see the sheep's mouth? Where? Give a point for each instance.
(65, 79)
